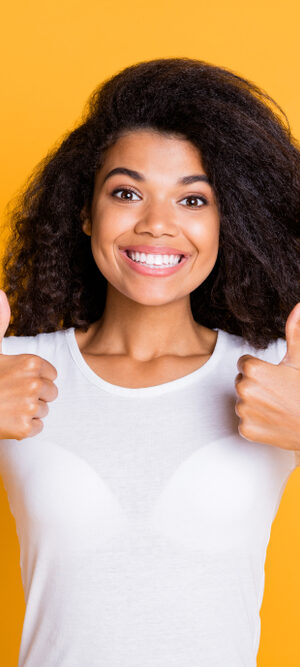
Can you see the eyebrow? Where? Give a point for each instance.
(185, 180)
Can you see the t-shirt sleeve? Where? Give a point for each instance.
(15, 344)
(21, 344)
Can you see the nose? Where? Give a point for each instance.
(157, 219)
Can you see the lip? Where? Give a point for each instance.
(154, 250)
(147, 271)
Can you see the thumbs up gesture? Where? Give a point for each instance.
(268, 402)
(26, 384)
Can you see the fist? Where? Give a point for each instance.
(268, 395)
(26, 386)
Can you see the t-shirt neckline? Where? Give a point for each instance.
(166, 387)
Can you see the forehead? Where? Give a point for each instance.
(143, 148)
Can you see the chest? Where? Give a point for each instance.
(123, 372)
(126, 472)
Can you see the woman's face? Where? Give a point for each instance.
(152, 207)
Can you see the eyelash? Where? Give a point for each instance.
(204, 200)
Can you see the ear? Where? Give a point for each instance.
(86, 222)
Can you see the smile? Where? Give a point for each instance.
(155, 269)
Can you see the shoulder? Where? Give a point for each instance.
(42, 344)
(273, 353)
(236, 346)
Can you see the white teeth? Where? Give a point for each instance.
(154, 260)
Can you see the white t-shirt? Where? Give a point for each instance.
(143, 516)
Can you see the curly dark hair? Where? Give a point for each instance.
(253, 164)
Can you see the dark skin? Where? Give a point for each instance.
(268, 402)
(147, 334)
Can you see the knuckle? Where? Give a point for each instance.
(34, 385)
(31, 408)
(24, 430)
(246, 431)
(240, 409)
(31, 362)
(40, 424)
(238, 379)
(250, 367)
(43, 409)
(54, 392)
(243, 390)
(27, 428)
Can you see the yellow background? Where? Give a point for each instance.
(53, 54)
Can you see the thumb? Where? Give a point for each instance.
(292, 334)
(5, 315)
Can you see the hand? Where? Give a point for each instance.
(268, 401)
(26, 384)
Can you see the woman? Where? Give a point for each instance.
(150, 251)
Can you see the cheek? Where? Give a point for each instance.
(205, 234)
(106, 229)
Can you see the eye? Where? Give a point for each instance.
(129, 197)
(126, 198)
(194, 198)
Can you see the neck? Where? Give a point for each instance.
(143, 333)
